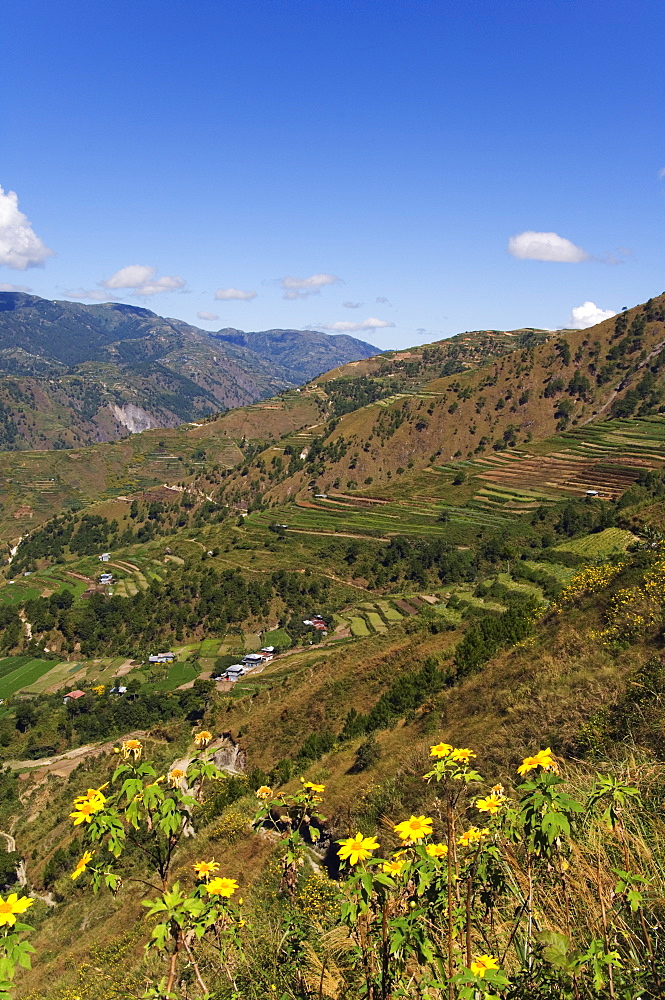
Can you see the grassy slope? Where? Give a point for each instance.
(531, 696)
(36, 484)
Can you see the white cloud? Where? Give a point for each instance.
(207, 316)
(20, 247)
(545, 246)
(89, 293)
(14, 288)
(143, 280)
(352, 305)
(302, 288)
(661, 173)
(588, 314)
(382, 299)
(347, 326)
(228, 294)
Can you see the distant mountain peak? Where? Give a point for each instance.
(125, 355)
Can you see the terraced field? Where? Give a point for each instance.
(612, 541)
(17, 672)
(499, 488)
(607, 457)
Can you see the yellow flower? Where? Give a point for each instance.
(82, 864)
(473, 836)
(483, 964)
(205, 868)
(84, 810)
(542, 759)
(203, 738)
(440, 750)
(174, 776)
(498, 790)
(491, 804)
(264, 792)
(99, 689)
(222, 887)
(463, 755)
(437, 850)
(315, 788)
(393, 867)
(92, 795)
(11, 906)
(414, 828)
(131, 748)
(358, 848)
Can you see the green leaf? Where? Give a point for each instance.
(160, 933)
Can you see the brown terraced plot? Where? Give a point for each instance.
(569, 474)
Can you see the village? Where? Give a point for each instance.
(233, 673)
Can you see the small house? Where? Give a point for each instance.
(119, 690)
(253, 660)
(161, 658)
(235, 672)
(106, 578)
(105, 557)
(73, 696)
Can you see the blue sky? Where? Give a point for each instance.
(341, 165)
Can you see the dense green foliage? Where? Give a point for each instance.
(196, 599)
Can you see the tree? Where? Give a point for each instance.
(367, 754)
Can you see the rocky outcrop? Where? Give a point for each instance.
(134, 418)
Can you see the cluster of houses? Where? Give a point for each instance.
(249, 662)
(105, 578)
(317, 622)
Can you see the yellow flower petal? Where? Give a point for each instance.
(222, 887)
(414, 828)
(358, 848)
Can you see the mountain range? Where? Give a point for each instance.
(74, 374)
